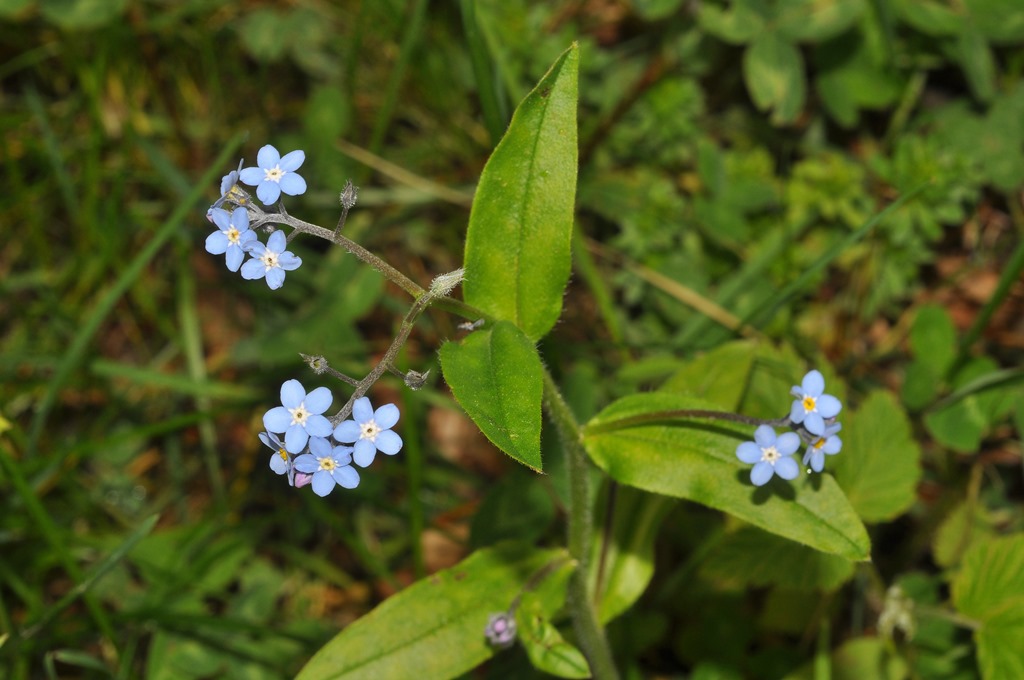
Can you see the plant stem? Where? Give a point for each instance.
(584, 615)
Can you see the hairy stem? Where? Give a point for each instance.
(584, 615)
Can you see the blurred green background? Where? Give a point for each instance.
(725, 148)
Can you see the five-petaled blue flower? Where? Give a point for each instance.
(329, 465)
(275, 174)
(770, 454)
(370, 431)
(301, 415)
(232, 237)
(812, 407)
(826, 443)
(271, 260)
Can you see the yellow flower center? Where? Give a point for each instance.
(369, 430)
(233, 235)
(299, 414)
(327, 464)
(269, 259)
(283, 454)
(820, 443)
(274, 174)
(809, 404)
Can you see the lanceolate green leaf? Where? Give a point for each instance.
(496, 375)
(696, 459)
(434, 628)
(517, 248)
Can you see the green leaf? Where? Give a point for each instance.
(793, 565)
(517, 256)
(968, 523)
(960, 425)
(434, 628)
(816, 20)
(774, 72)
(930, 17)
(990, 589)
(496, 375)
(975, 57)
(80, 15)
(719, 376)
(743, 20)
(547, 649)
(880, 464)
(855, 659)
(637, 445)
(624, 556)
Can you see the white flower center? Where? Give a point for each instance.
(269, 259)
(233, 235)
(327, 463)
(274, 174)
(299, 414)
(770, 454)
(369, 430)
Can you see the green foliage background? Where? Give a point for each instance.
(727, 149)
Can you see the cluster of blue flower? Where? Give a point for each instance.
(307, 455)
(815, 415)
(273, 175)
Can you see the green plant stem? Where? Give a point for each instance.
(584, 614)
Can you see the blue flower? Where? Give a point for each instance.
(232, 237)
(281, 461)
(812, 407)
(301, 415)
(228, 181)
(826, 443)
(271, 260)
(370, 430)
(770, 455)
(275, 174)
(328, 465)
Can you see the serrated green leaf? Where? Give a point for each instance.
(434, 628)
(879, 466)
(815, 20)
(696, 459)
(496, 375)
(990, 589)
(719, 376)
(624, 556)
(773, 70)
(738, 560)
(517, 255)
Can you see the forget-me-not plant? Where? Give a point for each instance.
(232, 237)
(329, 465)
(370, 431)
(812, 408)
(275, 174)
(270, 261)
(300, 416)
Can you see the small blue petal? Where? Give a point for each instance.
(277, 242)
(251, 176)
(389, 442)
(813, 383)
(787, 443)
(761, 473)
(293, 184)
(278, 464)
(268, 192)
(814, 423)
(234, 259)
(319, 400)
(289, 262)
(292, 393)
(346, 476)
(292, 160)
(275, 278)
(268, 157)
(217, 243)
(386, 416)
(787, 468)
(362, 410)
(307, 463)
(829, 406)
(277, 419)
(749, 453)
(347, 432)
(323, 483)
(320, 447)
(295, 438)
(318, 426)
(764, 435)
(253, 269)
(365, 452)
